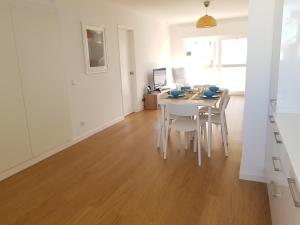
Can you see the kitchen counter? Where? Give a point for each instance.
(289, 128)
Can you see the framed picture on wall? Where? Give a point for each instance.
(94, 49)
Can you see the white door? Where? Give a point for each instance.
(127, 71)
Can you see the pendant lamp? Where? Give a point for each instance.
(206, 21)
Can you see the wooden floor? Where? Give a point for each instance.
(118, 177)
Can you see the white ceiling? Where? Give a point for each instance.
(179, 11)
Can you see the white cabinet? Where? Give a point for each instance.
(288, 90)
(275, 61)
(283, 184)
(14, 138)
(34, 114)
(39, 47)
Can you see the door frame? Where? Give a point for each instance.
(133, 69)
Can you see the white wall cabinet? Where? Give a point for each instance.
(289, 67)
(275, 61)
(14, 138)
(34, 113)
(45, 89)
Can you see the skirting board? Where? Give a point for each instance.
(92, 132)
(34, 160)
(237, 93)
(253, 177)
(139, 108)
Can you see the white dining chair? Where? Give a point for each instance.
(191, 123)
(220, 119)
(178, 75)
(217, 109)
(198, 86)
(161, 121)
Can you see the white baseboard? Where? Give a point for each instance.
(237, 93)
(139, 108)
(45, 155)
(94, 131)
(253, 177)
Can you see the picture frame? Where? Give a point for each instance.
(94, 44)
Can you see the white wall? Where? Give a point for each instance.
(96, 99)
(260, 36)
(235, 27)
(44, 88)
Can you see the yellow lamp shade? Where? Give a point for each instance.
(206, 21)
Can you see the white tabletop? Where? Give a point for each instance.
(194, 99)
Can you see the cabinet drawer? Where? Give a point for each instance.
(291, 203)
(282, 204)
(275, 157)
(275, 199)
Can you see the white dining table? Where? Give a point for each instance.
(193, 99)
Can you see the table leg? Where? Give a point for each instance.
(209, 136)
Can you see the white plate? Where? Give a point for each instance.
(212, 97)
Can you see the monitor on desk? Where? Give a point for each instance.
(159, 78)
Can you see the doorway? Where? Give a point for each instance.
(127, 67)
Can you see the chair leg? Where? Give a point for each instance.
(158, 141)
(195, 141)
(205, 137)
(178, 142)
(207, 148)
(186, 140)
(199, 146)
(225, 122)
(204, 131)
(224, 139)
(166, 142)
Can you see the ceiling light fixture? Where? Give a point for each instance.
(206, 21)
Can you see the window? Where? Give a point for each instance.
(217, 61)
(233, 52)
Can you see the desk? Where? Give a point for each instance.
(151, 99)
(193, 99)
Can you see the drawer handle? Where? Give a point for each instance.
(276, 135)
(271, 118)
(292, 186)
(274, 159)
(273, 101)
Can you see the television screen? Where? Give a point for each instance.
(160, 77)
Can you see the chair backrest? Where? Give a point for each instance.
(200, 85)
(225, 103)
(182, 109)
(161, 96)
(223, 97)
(178, 75)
